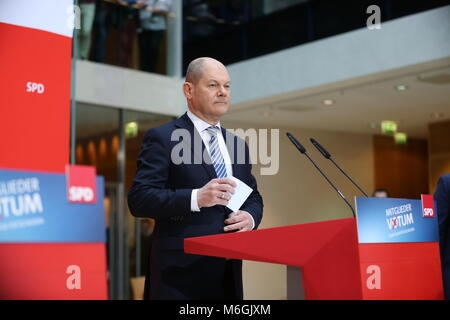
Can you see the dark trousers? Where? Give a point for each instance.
(231, 290)
(229, 285)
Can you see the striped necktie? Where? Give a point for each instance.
(214, 152)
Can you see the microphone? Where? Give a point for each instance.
(302, 150)
(296, 143)
(327, 155)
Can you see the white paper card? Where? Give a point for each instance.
(241, 193)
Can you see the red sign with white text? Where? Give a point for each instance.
(81, 186)
(35, 83)
(428, 206)
(34, 99)
(409, 269)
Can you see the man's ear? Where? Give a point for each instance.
(187, 90)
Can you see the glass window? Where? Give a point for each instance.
(99, 143)
(234, 30)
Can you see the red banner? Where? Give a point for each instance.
(35, 64)
(81, 186)
(34, 99)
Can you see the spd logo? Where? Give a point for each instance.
(427, 206)
(428, 212)
(81, 194)
(34, 87)
(81, 185)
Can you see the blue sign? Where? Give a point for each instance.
(386, 220)
(34, 208)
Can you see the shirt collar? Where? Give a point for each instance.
(199, 124)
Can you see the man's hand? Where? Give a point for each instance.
(239, 220)
(216, 191)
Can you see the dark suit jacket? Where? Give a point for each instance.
(162, 190)
(442, 199)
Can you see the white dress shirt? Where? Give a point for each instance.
(201, 126)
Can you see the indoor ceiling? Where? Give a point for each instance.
(359, 105)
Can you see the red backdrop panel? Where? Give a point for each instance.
(53, 271)
(34, 99)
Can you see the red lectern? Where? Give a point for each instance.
(326, 252)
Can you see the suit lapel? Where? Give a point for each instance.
(195, 143)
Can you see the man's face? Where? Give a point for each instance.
(210, 96)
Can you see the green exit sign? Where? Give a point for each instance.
(388, 127)
(400, 138)
(131, 129)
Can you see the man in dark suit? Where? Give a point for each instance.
(183, 181)
(442, 199)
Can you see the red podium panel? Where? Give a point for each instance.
(398, 257)
(401, 271)
(326, 252)
(399, 248)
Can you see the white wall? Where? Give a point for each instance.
(129, 89)
(298, 194)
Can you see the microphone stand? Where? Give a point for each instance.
(302, 150)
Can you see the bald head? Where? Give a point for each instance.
(197, 66)
(207, 89)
